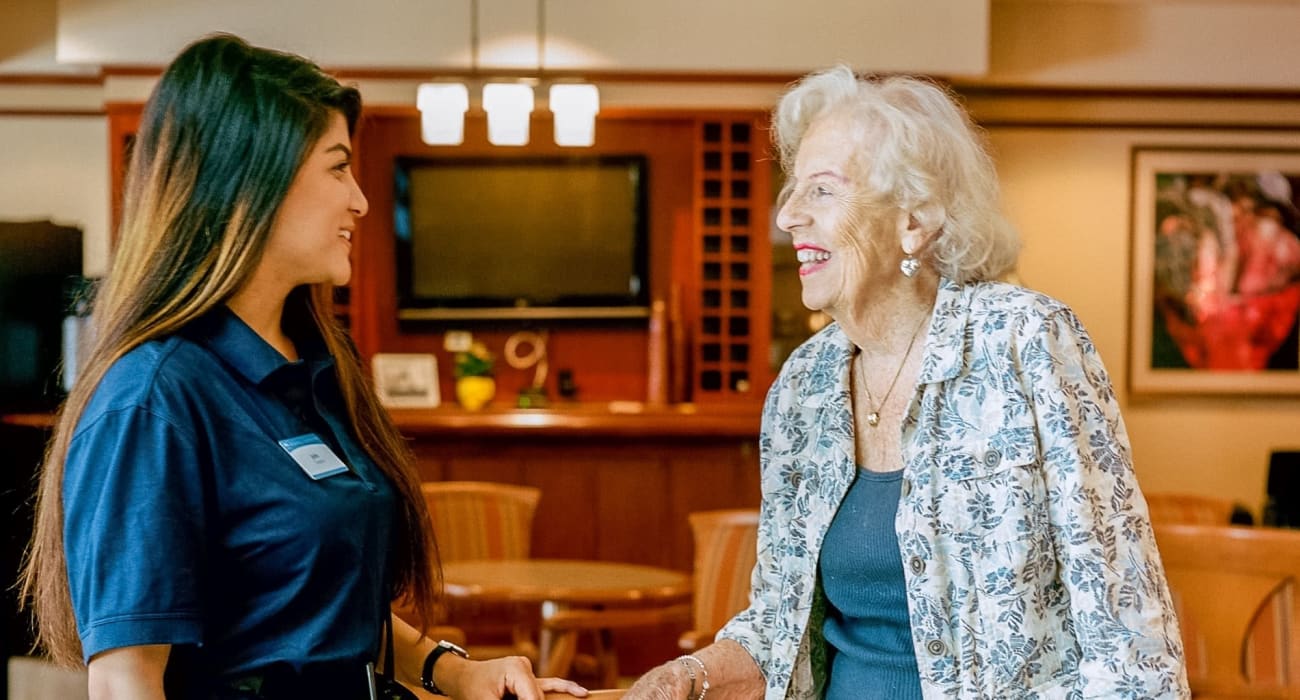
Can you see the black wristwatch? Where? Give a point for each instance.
(426, 675)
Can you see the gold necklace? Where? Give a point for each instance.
(873, 416)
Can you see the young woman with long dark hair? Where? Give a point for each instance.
(225, 510)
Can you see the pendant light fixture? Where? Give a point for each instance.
(509, 106)
(442, 113)
(575, 107)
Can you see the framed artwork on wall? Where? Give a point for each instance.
(406, 380)
(1215, 283)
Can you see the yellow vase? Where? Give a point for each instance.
(474, 392)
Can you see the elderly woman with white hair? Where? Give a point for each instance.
(949, 506)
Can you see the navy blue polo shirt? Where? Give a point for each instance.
(187, 523)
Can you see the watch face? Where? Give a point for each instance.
(453, 648)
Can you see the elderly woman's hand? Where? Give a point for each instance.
(667, 682)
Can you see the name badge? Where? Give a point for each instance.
(314, 456)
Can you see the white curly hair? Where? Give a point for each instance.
(922, 154)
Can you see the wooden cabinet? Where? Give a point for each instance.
(709, 258)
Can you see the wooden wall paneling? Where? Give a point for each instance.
(565, 524)
(123, 122)
(507, 468)
(708, 477)
(430, 461)
(633, 510)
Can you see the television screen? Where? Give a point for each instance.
(521, 234)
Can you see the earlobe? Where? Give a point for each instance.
(912, 235)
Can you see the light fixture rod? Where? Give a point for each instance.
(473, 36)
(541, 35)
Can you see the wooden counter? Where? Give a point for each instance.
(617, 480)
(29, 420)
(611, 419)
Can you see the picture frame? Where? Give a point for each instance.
(1215, 278)
(406, 380)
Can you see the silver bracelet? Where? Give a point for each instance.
(690, 673)
(704, 672)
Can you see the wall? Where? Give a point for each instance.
(1067, 188)
(56, 167)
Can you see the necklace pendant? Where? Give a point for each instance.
(873, 419)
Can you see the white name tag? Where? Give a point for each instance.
(314, 456)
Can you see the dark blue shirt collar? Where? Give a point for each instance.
(224, 333)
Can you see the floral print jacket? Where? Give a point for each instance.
(1030, 565)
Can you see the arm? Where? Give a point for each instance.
(129, 673)
(1122, 613)
(469, 679)
(731, 670)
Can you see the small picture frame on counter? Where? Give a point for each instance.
(406, 380)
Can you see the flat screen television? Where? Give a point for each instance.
(559, 237)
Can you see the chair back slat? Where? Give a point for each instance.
(725, 552)
(1188, 509)
(481, 520)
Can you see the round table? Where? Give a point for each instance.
(566, 584)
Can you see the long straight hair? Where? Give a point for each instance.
(220, 141)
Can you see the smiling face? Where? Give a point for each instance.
(311, 237)
(847, 249)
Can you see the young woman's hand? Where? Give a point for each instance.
(507, 677)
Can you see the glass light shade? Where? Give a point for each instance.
(508, 107)
(575, 108)
(442, 113)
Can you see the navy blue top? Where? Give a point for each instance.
(187, 523)
(867, 632)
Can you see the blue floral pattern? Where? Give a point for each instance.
(1030, 564)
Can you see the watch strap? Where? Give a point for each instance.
(426, 674)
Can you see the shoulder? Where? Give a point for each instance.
(1004, 300)
(999, 309)
(161, 377)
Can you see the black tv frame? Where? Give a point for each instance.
(482, 308)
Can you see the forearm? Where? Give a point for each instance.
(733, 673)
(730, 670)
(410, 648)
(129, 673)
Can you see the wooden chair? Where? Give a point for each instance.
(1225, 581)
(481, 520)
(486, 520)
(725, 550)
(565, 625)
(1188, 509)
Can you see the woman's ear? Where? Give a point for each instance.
(913, 234)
